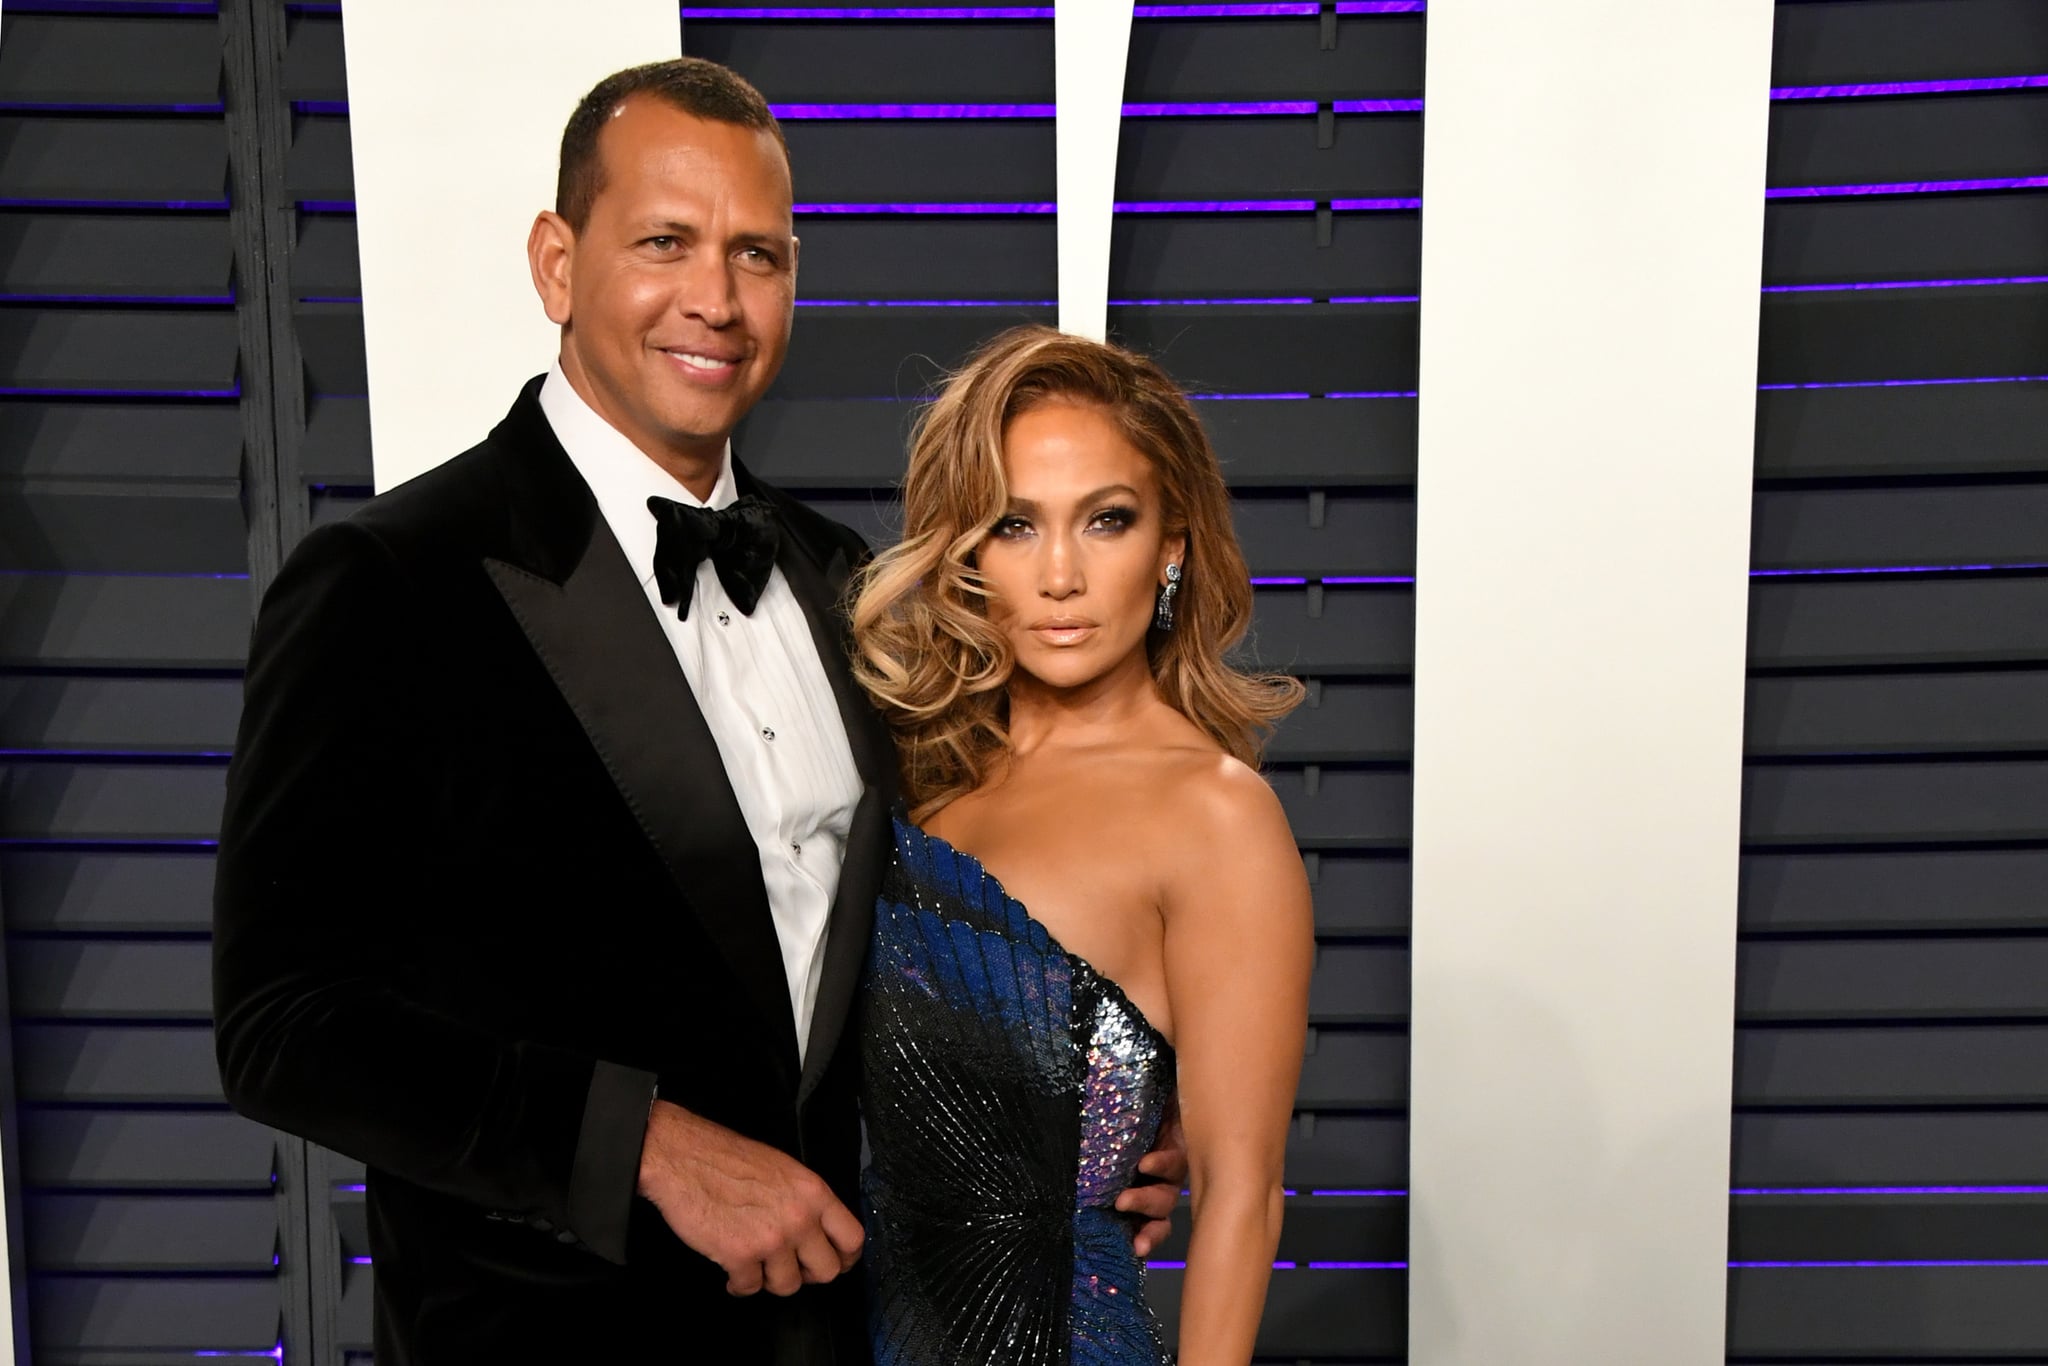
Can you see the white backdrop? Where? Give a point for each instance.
(455, 114)
(1592, 227)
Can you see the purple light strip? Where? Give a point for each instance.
(327, 206)
(1375, 205)
(330, 298)
(1890, 1190)
(1928, 1261)
(1908, 284)
(926, 303)
(2018, 182)
(1377, 107)
(320, 106)
(1340, 580)
(1375, 298)
(1208, 109)
(1904, 383)
(1281, 10)
(1836, 92)
(144, 754)
(275, 1353)
(1238, 398)
(1888, 569)
(116, 7)
(1160, 303)
(961, 209)
(1215, 206)
(1374, 393)
(911, 111)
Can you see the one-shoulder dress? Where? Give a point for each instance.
(1009, 1090)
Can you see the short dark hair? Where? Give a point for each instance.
(698, 87)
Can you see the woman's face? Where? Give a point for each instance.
(1077, 559)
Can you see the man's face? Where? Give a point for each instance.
(678, 293)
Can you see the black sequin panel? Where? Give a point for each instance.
(1009, 1092)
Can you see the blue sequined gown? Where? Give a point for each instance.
(1009, 1092)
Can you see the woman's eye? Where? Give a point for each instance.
(1009, 527)
(1114, 519)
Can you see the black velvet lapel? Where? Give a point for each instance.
(583, 610)
(818, 571)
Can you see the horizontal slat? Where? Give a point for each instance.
(102, 256)
(1852, 621)
(337, 443)
(124, 621)
(105, 892)
(1352, 1315)
(1011, 161)
(117, 1064)
(165, 442)
(1359, 984)
(1964, 1147)
(331, 347)
(56, 979)
(131, 160)
(1902, 1065)
(1883, 334)
(119, 715)
(1910, 890)
(1895, 40)
(1357, 894)
(1890, 141)
(1353, 630)
(1151, 257)
(128, 351)
(1984, 524)
(1354, 1069)
(1894, 803)
(89, 59)
(1899, 979)
(144, 1148)
(315, 67)
(109, 526)
(1888, 1228)
(1921, 429)
(1347, 1152)
(111, 802)
(1897, 713)
(818, 444)
(1345, 808)
(145, 1233)
(1913, 237)
(1348, 722)
(1892, 1314)
(75, 1317)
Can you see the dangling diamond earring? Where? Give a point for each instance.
(1162, 616)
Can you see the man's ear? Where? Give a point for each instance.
(551, 256)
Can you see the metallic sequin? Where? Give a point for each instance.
(1009, 1091)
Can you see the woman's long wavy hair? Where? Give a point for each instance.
(925, 648)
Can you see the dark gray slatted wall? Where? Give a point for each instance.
(1892, 1050)
(133, 505)
(1244, 187)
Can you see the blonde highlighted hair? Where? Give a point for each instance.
(925, 648)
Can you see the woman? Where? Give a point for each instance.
(1048, 641)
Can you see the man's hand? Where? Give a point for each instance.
(1168, 1161)
(764, 1217)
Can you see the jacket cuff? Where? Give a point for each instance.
(605, 1175)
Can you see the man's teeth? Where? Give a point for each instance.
(697, 362)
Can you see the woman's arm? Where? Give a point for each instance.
(1240, 943)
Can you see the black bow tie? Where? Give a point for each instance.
(740, 541)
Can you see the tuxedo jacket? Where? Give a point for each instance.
(484, 883)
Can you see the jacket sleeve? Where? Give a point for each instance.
(314, 1031)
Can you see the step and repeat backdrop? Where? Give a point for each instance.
(184, 390)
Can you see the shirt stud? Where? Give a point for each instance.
(725, 618)
(767, 733)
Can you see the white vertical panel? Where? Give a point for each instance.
(1091, 45)
(1592, 235)
(455, 113)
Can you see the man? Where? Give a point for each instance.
(556, 819)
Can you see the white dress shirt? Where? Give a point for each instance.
(759, 682)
